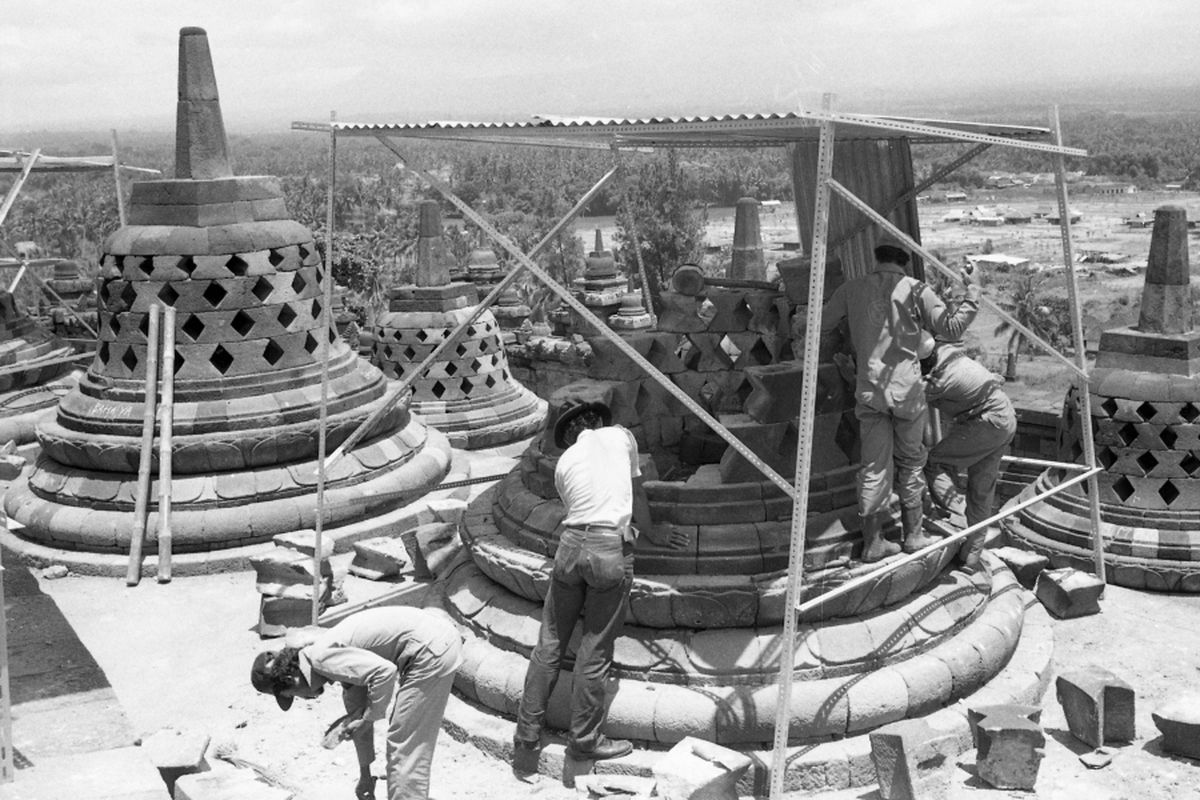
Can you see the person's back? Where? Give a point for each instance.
(594, 477)
(885, 312)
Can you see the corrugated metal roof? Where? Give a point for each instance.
(726, 130)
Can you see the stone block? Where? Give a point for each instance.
(1179, 721)
(775, 391)
(304, 542)
(11, 465)
(977, 713)
(1068, 593)
(176, 753)
(911, 761)
(1025, 564)
(1098, 705)
(698, 770)
(286, 573)
(379, 558)
(434, 546)
(1010, 751)
(277, 614)
(235, 784)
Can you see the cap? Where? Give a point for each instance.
(571, 412)
(888, 239)
(261, 679)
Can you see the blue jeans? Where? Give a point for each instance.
(593, 572)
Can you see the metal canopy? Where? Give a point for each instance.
(728, 130)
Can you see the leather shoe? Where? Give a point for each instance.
(525, 757)
(606, 748)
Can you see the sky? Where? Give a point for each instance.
(76, 64)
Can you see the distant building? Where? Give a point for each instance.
(956, 197)
(997, 261)
(1108, 188)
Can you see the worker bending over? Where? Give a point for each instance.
(409, 652)
(979, 423)
(886, 310)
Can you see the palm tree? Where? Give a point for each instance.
(1035, 311)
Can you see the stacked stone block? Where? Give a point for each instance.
(1098, 705)
(1145, 415)
(247, 286)
(29, 385)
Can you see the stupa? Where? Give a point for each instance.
(747, 260)
(698, 655)
(1145, 403)
(246, 283)
(469, 394)
(32, 375)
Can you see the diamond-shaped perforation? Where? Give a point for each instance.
(272, 352)
(388, 353)
(484, 345)
(275, 257)
(451, 368)
(222, 359)
(103, 352)
(1146, 411)
(1168, 437)
(237, 265)
(471, 330)
(242, 322)
(1127, 433)
(409, 353)
(1190, 464)
(146, 265)
(187, 264)
(286, 316)
(422, 335)
(1123, 488)
(144, 325)
(1169, 492)
(168, 294)
(1147, 462)
(1110, 406)
(298, 283)
(114, 324)
(262, 289)
(310, 344)
(461, 350)
(129, 359)
(490, 381)
(193, 327)
(466, 386)
(316, 309)
(438, 389)
(1106, 457)
(214, 293)
(1189, 413)
(302, 251)
(128, 295)
(179, 362)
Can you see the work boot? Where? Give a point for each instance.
(912, 520)
(525, 757)
(971, 552)
(606, 748)
(875, 547)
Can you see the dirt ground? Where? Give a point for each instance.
(178, 655)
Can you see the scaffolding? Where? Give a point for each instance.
(797, 132)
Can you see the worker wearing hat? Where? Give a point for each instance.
(410, 653)
(599, 481)
(885, 311)
(980, 423)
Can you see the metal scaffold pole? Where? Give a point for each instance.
(325, 317)
(1085, 395)
(808, 404)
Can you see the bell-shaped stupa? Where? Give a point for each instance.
(246, 284)
(1145, 404)
(469, 394)
(33, 374)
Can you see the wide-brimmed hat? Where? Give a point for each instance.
(571, 412)
(260, 678)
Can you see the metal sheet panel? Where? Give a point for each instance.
(878, 172)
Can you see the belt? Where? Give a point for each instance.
(590, 528)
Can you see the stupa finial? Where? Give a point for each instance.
(200, 148)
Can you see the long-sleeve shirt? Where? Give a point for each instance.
(886, 311)
(961, 387)
(372, 650)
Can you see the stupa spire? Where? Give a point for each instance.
(200, 146)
